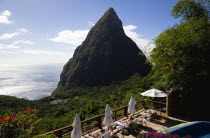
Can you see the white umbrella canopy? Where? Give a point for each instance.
(108, 116)
(77, 131)
(131, 106)
(154, 93)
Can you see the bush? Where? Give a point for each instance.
(21, 125)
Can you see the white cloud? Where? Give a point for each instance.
(6, 13)
(143, 44)
(91, 24)
(37, 52)
(71, 37)
(129, 31)
(22, 42)
(31, 56)
(4, 17)
(23, 30)
(9, 46)
(8, 36)
(45, 52)
(14, 44)
(129, 27)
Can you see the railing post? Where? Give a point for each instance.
(99, 122)
(58, 134)
(82, 126)
(115, 115)
(143, 104)
(126, 111)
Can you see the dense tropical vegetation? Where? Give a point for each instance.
(180, 63)
(181, 58)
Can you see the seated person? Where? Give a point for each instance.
(130, 119)
(107, 134)
(144, 120)
(102, 132)
(113, 130)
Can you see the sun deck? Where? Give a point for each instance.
(159, 121)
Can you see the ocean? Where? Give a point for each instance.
(29, 81)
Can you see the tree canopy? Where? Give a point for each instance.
(190, 9)
(182, 54)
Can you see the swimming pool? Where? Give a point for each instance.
(198, 129)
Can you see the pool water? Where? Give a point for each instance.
(199, 129)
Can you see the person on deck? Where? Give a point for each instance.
(144, 120)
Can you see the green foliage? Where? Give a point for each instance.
(191, 9)
(22, 125)
(181, 58)
(14, 104)
(60, 109)
(182, 55)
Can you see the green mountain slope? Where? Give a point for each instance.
(106, 55)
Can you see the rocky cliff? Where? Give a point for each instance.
(106, 55)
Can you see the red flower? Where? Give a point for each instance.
(14, 116)
(2, 121)
(1, 118)
(30, 110)
(9, 120)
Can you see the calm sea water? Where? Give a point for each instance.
(29, 81)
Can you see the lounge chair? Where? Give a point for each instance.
(135, 121)
(119, 124)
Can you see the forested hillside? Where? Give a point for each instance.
(59, 110)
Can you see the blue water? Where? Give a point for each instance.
(195, 130)
(29, 81)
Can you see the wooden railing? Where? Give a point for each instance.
(95, 123)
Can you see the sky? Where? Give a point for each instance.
(48, 31)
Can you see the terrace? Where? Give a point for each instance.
(159, 121)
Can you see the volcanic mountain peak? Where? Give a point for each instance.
(106, 55)
(110, 15)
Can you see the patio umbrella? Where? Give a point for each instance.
(131, 106)
(77, 131)
(154, 93)
(108, 116)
